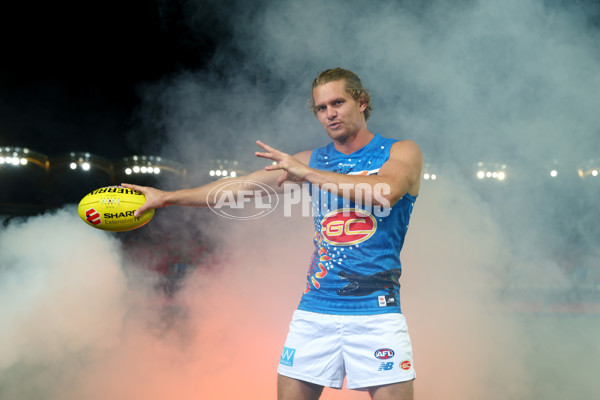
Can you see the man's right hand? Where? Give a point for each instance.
(155, 198)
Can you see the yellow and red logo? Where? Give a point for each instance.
(405, 365)
(347, 226)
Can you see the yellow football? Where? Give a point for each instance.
(111, 208)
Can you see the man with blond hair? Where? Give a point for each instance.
(349, 324)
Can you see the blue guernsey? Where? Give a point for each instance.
(355, 267)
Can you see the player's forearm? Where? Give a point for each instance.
(207, 195)
(195, 197)
(198, 196)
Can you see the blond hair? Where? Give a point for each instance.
(353, 86)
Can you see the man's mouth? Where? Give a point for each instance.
(335, 125)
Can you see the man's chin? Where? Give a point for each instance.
(336, 134)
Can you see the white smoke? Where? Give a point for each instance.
(62, 291)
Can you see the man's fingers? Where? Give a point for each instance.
(264, 155)
(281, 179)
(273, 167)
(140, 189)
(264, 146)
(132, 187)
(269, 152)
(140, 211)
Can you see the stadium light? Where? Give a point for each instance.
(590, 168)
(491, 171)
(147, 164)
(428, 173)
(223, 168)
(21, 156)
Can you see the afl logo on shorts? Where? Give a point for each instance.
(405, 365)
(347, 226)
(384, 354)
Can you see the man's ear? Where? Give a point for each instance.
(362, 103)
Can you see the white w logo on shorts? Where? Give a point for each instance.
(287, 356)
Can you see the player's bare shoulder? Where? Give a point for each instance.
(407, 153)
(407, 150)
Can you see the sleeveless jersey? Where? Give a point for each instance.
(355, 267)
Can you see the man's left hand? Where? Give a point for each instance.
(293, 170)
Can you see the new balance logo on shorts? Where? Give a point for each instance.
(386, 366)
(287, 356)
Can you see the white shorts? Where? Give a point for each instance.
(369, 350)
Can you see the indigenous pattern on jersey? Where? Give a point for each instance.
(355, 267)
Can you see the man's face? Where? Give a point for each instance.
(341, 115)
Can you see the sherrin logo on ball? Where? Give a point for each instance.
(111, 208)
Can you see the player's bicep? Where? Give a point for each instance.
(403, 168)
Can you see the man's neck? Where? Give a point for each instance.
(354, 143)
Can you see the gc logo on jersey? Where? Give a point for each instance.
(347, 226)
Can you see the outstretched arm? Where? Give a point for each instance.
(199, 196)
(399, 175)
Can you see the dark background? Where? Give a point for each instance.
(70, 71)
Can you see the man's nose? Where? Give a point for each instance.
(331, 112)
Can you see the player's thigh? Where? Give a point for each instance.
(294, 389)
(377, 351)
(394, 391)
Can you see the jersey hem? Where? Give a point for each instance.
(351, 312)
